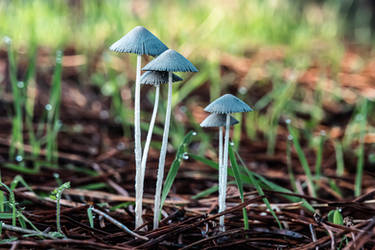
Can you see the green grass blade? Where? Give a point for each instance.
(172, 173)
(53, 108)
(339, 158)
(361, 149)
(303, 160)
(236, 172)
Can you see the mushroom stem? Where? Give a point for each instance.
(220, 147)
(220, 156)
(138, 147)
(146, 148)
(223, 177)
(163, 153)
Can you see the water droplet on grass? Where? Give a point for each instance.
(19, 158)
(288, 121)
(242, 90)
(20, 84)
(290, 137)
(185, 156)
(48, 107)
(194, 133)
(7, 39)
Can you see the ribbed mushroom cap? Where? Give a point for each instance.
(171, 61)
(227, 104)
(217, 120)
(158, 77)
(139, 41)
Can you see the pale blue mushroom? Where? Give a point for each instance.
(170, 61)
(225, 105)
(154, 78)
(138, 41)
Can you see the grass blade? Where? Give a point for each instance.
(174, 167)
(236, 172)
(303, 160)
(361, 150)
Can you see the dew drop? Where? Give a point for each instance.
(242, 90)
(194, 133)
(20, 84)
(185, 156)
(48, 107)
(7, 39)
(290, 137)
(288, 121)
(323, 133)
(19, 158)
(231, 143)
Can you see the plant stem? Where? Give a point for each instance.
(220, 146)
(224, 173)
(145, 153)
(138, 146)
(163, 153)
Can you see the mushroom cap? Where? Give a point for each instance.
(227, 104)
(139, 41)
(171, 61)
(217, 120)
(158, 77)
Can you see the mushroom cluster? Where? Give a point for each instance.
(140, 41)
(160, 70)
(221, 109)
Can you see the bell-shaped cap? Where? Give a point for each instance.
(227, 104)
(217, 120)
(158, 77)
(171, 61)
(139, 41)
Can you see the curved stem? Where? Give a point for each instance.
(224, 175)
(138, 146)
(145, 150)
(163, 153)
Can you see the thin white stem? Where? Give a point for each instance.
(220, 146)
(138, 147)
(147, 146)
(220, 158)
(224, 174)
(163, 153)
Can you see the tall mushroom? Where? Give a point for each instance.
(154, 78)
(170, 61)
(139, 41)
(226, 104)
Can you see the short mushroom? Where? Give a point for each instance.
(218, 120)
(226, 105)
(154, 78)
(170, 61)
(139, 41)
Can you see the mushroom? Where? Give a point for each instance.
(170, 61)
(153, 78)
(139, 41)
(225, 104)
(218, 120)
